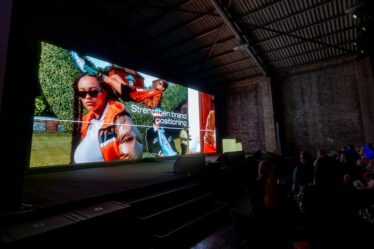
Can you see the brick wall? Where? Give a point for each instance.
(328, 107)
(249, 114)
(365, 83)
(323, 105)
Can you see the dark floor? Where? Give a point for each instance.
(224, 237)
(221, 239)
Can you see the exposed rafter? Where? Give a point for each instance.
(223, 41)
(303, 53)
(288, 46)
(242, 38)
(254, 12)
(179, 27)
(289, 34)
(228, 73)
(189, 39)
(201, 49)
(221, 66)
(226, 52)
(287, 17)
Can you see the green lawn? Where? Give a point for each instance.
(50, 149)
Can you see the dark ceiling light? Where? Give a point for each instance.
(354, 11)
(241, 46)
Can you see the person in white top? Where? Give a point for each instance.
(106, 132)
(184, 137)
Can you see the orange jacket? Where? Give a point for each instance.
(118, 138)
(151, 98)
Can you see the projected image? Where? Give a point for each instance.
(92, 110)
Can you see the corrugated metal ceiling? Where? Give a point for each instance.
(191, 38)
(199, 43)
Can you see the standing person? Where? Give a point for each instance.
(157, 140)
(151, 98)
(183, 135)
(303, 173)
(210, 133)
(106, 132)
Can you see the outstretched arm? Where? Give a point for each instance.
(115, 82)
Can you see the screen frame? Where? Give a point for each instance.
(59, 167)
(24, 42)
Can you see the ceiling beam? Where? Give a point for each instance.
(201, 61)
(218, 67)
(189, 39)
(302, 11)
(286, 68)
(177, 28)
(254, 12)
(287, 46)
(199, 50)
(192, 52)
(242, 38)
(308, 51)
(264, 53)
(295, 30)
(219, 75)
(289, 34)
(215, 42)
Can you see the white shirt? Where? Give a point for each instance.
(183, 134)
(89, 148)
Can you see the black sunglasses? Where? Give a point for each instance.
(92, 93)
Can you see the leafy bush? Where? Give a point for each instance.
(174, 97)
(56, 75)
(39, 106)
(42, 107)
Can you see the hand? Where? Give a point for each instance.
(114, 79)
(115, 82)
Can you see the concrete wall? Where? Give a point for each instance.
(249, 112)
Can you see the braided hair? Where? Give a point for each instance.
(78, 110)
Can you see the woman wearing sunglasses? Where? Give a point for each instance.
(106, 132)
